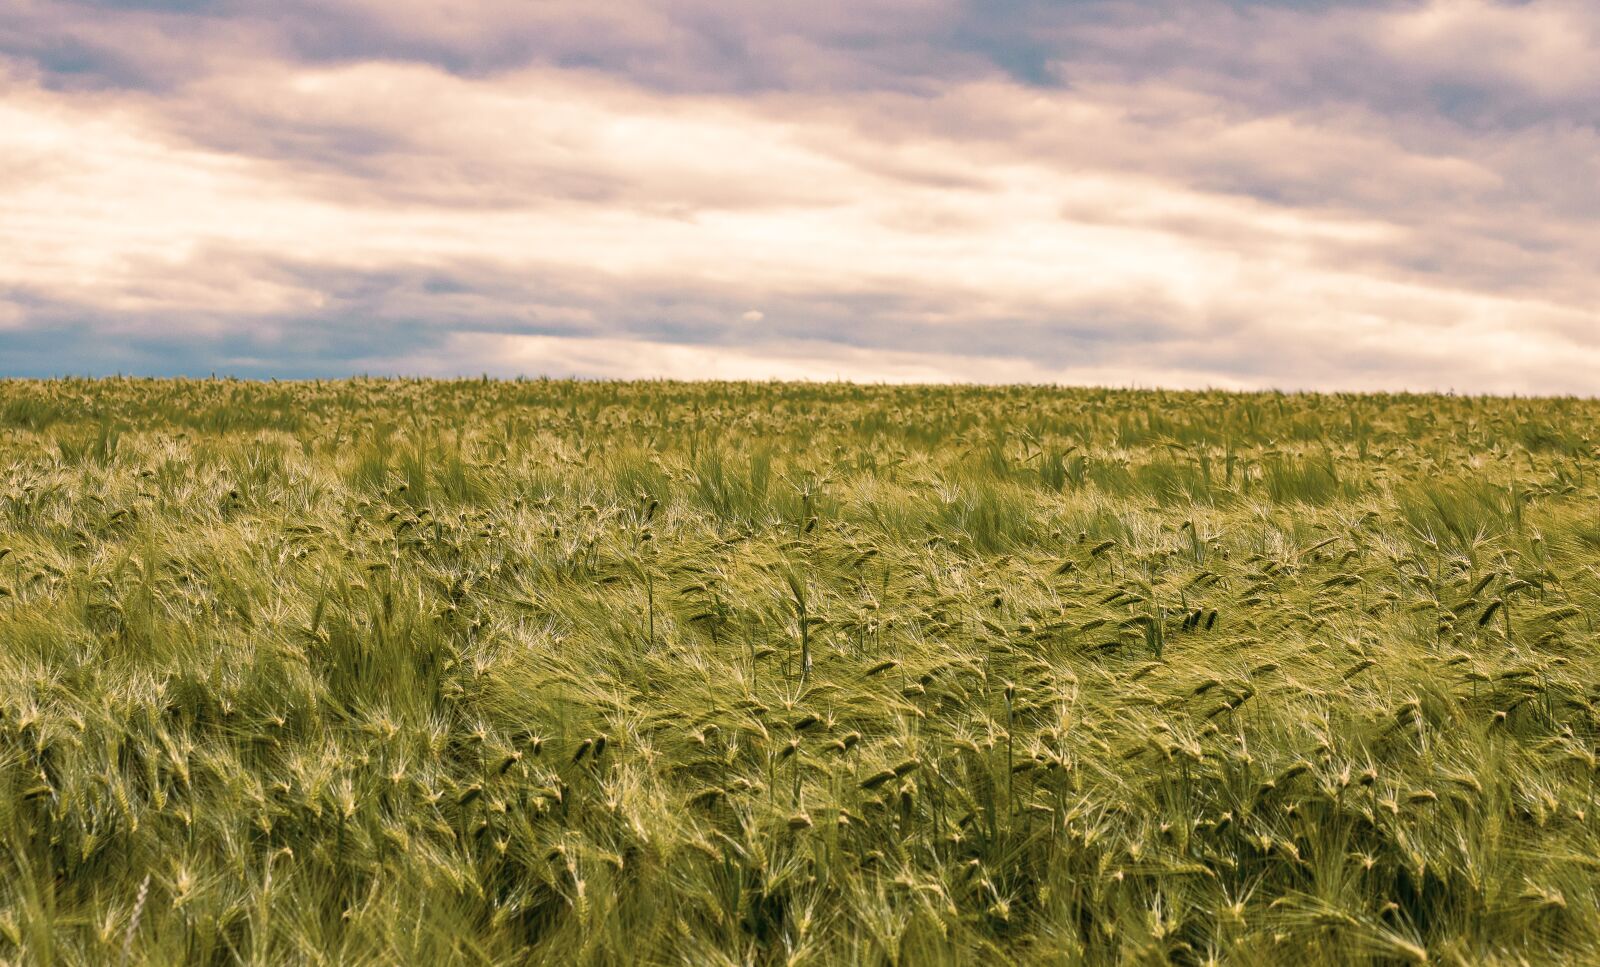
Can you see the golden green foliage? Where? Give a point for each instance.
(486, 672)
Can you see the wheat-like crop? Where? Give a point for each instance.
(554, 672)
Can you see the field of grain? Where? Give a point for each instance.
(409, 672)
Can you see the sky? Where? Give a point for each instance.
(1290, 194)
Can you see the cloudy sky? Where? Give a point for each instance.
(1233, 193)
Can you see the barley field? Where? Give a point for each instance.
(416, 672)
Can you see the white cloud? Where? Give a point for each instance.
(1497, 367)
(1550, 48)
(499, 354)
(1146, 230)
